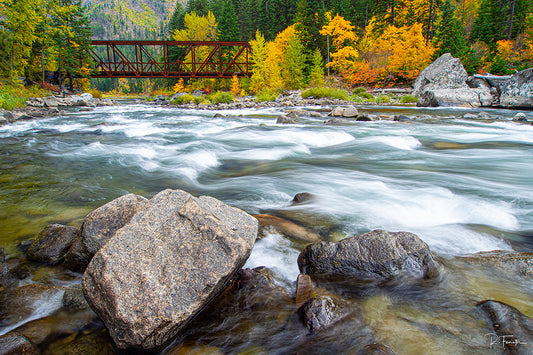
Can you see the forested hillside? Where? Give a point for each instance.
(129, 19)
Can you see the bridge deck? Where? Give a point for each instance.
(170, 59)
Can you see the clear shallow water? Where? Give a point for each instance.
(463, 186)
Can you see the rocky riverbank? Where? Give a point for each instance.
(52, 106)
(165, 274)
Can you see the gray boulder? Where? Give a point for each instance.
(53, 243)
(163, 267)
(464, 97)
(101, 224)
(286, 120)
(446, 72)
(346, 112)
(374, 256)
(517, 92)
(323, 311)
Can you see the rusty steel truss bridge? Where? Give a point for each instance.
(169, 59)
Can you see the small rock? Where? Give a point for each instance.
(512, 264)
(52, 244)
(350, 112)
(285, 120)
(364, 118)
(323, 311)
(218, 115)
(74, 299)
(336, 121)
(303, 197)
(470, 116)
(401, 118)
(287, 228)
(94, 342)
(304, 286)
(520, 117)
(14, 344)
(337, 112)
(75, 259)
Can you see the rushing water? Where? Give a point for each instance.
(462, 185)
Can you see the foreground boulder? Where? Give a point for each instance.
(165, 265)
(53, 243)
(374, 256)
(99, 226)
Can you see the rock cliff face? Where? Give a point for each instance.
(445, 82)
(165, 265)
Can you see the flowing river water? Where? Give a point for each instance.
(462, 185)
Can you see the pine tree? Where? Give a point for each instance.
(316, 73)
(228, 28)
(449, 36)
(293, 62)
(200, 7)
(309, 21)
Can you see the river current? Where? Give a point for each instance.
(462, 185)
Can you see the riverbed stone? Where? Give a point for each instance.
(286, 120)
(165, 265)
(508, 263)
(520, 117)
(53, 243)
(374, 256)
(14, 344)
(322, 311)
(94, 342)
(75, 259)
(287, 228)
(74, 299)
(513, 329)
(100, 225)
(303, 197)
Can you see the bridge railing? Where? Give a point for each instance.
(170, 59)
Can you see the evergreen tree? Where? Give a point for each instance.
(309, 21)
(228, 28)
(316, 73)
(449, 36)
(177, 19)
(200, 7)
(293, 63)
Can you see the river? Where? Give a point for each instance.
(462, 185)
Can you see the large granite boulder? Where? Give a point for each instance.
(517, 92)
(53, 243)
(165, 265)
(100, 225)
(464, 97)
(375, 256)
(446, 72)
(445, 82)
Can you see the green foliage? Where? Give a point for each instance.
(406, 99)
(292, 63)
(325, 92)
(187, 99)
(449, 36)
(359, 90)
(266, 95)
(316, 73)
(15, 95)
(382, 99)
(366, 95)
(221, 97)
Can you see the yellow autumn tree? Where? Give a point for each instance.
(343, 39)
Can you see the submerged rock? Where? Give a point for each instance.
(374, 256)
(303, 197)
(287, 228)
(286, 120)
(304, 285)
(503, 262)
(53, 243)
(14, 344)
(323, 311)
(513, 330)
(376, 349)
(163, 267)
(101, 224)
(94, 342)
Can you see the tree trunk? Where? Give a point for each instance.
(511, 20)
(430, 22)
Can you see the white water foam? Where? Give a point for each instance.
(276, 253)
(43, 307)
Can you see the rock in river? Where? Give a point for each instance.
(101, 224)
(374, 256)
(52, 244)
(166, 265)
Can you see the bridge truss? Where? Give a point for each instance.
(170, 59)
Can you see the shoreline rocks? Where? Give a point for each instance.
(445, 82)
(165, 265)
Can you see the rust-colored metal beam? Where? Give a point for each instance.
(198, 59)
